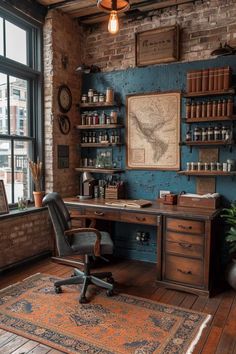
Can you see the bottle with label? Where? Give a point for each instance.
(210, 133)
(193, 110)
(217, 135)
(198, 110)
(102, 118)
(188, 136)
(209, 109)
(197, 135)
(204, 134)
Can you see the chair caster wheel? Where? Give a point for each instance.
(110, 293)
(111, 280)
(82, 300)
(58, 289)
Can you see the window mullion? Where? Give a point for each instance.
(12, 172)
(4, 37)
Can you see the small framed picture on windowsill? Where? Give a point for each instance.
(4, 209)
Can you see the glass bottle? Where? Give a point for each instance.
(197, 135)
(210, 133)
(188, 136)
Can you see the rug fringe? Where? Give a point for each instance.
(196, 339)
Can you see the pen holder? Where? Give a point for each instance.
(114, 192)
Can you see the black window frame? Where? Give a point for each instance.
(33, 73)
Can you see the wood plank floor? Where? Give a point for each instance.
(137, 278)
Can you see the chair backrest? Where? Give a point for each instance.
(61, 221)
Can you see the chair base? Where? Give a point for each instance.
(86, 278)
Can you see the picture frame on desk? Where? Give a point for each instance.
(153, 131)
(4, 209)
(157, 46)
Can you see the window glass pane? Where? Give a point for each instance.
(1, 36)
(5, 166)
(18, 106)
(16, 47)
(22, 177)
(3, 104)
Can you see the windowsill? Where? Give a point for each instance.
(17, 212)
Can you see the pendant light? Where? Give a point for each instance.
(113, 7)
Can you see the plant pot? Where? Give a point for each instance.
(38, 199)
(231, 273)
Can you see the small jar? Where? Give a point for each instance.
(210, 133)
(95, 118)
(197, 135)
(109, 95)
(217, 135)
(206, 166)
(188, 166)
(200, 166)
(83, 118)
(194, 166)
(231, 165)
(113, 116)
(213, 166)
(219, 166)
(188, 136)
(84, 98)
(90, 95)
(95, 98)
(102, 118)
(204, 134)
(101, 97)
(223, 132)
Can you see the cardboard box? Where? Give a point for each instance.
(196, 202)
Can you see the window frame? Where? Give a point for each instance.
(33, 73)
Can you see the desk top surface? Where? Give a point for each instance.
(155, 208)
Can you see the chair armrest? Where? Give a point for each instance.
(81, 217)
(97, 250)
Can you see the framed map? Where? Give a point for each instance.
(153, 131)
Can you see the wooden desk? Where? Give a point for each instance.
(186, 239)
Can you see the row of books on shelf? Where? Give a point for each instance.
(208, 80)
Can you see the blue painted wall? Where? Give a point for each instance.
(147, 184)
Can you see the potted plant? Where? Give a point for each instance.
(36, 172)
(229, 214)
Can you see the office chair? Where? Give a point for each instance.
(86, 241)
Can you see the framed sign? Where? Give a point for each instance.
(4, 209)
(157, 46)
(153, 131)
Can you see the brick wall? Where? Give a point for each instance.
(204, 25)
(61, 39)
(24, 236)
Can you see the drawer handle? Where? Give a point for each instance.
(185, 227)
(185, 272)
(98, 213)
(140, 219)
(185, 245)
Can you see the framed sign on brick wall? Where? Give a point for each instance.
(157, 46)
(3, 199)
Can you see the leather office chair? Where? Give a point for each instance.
(86, 241)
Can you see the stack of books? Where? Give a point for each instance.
(208, 80)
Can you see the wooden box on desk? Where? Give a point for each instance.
(114, 192)
(196, 202)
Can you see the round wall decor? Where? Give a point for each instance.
(64, 124)
(64, 98)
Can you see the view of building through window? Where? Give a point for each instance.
(19, 93)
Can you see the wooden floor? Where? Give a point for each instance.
(138, 278)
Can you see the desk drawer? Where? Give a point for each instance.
(102, 214)
(138, 218)
(184, 244)
(184, 270)
(183, 225)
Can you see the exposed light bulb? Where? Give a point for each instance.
(113, 24)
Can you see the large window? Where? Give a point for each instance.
(20, 102)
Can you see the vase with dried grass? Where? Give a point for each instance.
(36, 172)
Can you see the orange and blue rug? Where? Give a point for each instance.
(106, 325)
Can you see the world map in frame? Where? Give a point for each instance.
(153, 131)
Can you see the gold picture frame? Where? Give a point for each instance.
(4, 209)
(157, 46)
(153, 131)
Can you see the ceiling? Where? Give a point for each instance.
(88, 13)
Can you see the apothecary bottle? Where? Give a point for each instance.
(188, 136)
(198, 110)
(210, 133)
(209, 109)
(197, 135)
(193, 110)
(204, 134)
(217, 133)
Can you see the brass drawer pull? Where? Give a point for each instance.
(140, 219)
(185, 245)
(98, 213)
(185, 272)
(185, 227)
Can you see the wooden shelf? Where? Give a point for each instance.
(100, 145)
(211, 119)
(99, 126)
(207, 173)
(230, 91)
(209, 143)
(99, 170)
(97, 105)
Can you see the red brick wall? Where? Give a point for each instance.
(204, 25)
(24, 236)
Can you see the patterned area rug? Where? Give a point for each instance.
(107, 325)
